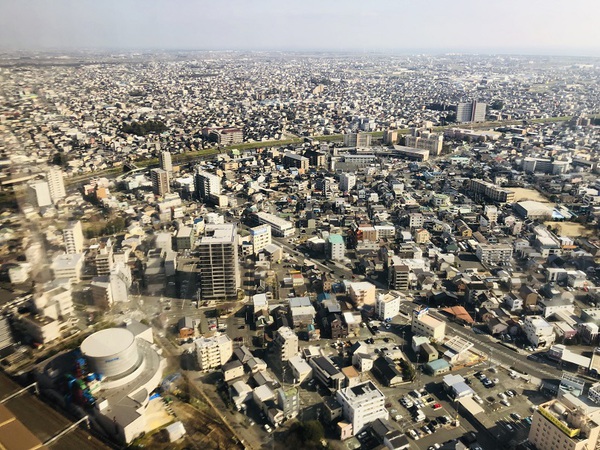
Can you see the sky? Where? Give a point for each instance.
(566, 27)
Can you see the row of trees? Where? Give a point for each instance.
(144, 128)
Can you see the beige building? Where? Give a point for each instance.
(286, 342)
(213, 352)
(422, 236)
(362, 293)
(423, 324)
(565, 424)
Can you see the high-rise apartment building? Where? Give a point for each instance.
(160, 182)
(56, 184)
(218, 262)
(40, 193)
(73, 237)
(206, 184)
(471, 112)
(357, 140)
(347, 182)
(165, 161)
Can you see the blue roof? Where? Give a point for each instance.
(336, 239)
(438, 364)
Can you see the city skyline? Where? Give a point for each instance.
(466, 26)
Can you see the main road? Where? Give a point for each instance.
(497, 353)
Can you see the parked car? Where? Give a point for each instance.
(509, 393)
(515, 416)
(505, 402)
(267, 428)
(437, 406)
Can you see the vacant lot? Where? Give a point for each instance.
(528, 194)
(570, 229)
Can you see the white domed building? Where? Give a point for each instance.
(129, 367)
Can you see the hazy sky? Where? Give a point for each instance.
(521, 26)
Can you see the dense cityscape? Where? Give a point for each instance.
(304, 250)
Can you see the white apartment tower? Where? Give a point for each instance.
(362, 404)
(40, 192)
(206, 184)
(287, 343)
(73, 237)
(218, 262)
(56, 184)
(347, 182)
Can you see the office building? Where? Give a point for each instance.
(425, 140)
(361, 405)
(544, 165)
(347, 182)
(56, 184)
(471, 112)
(260, 237)
(226, 136)
(218, 262)
(565, 424)
(206, 184)
(423, 324)
(165, 161)
(213, 352)
(160, 182)
(357, 140)
(40, 193)
(279, 227)
(286, 342)
(73, 237)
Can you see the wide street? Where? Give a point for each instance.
(496, 352)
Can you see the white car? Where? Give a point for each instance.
(267, 428)
(505, 402)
